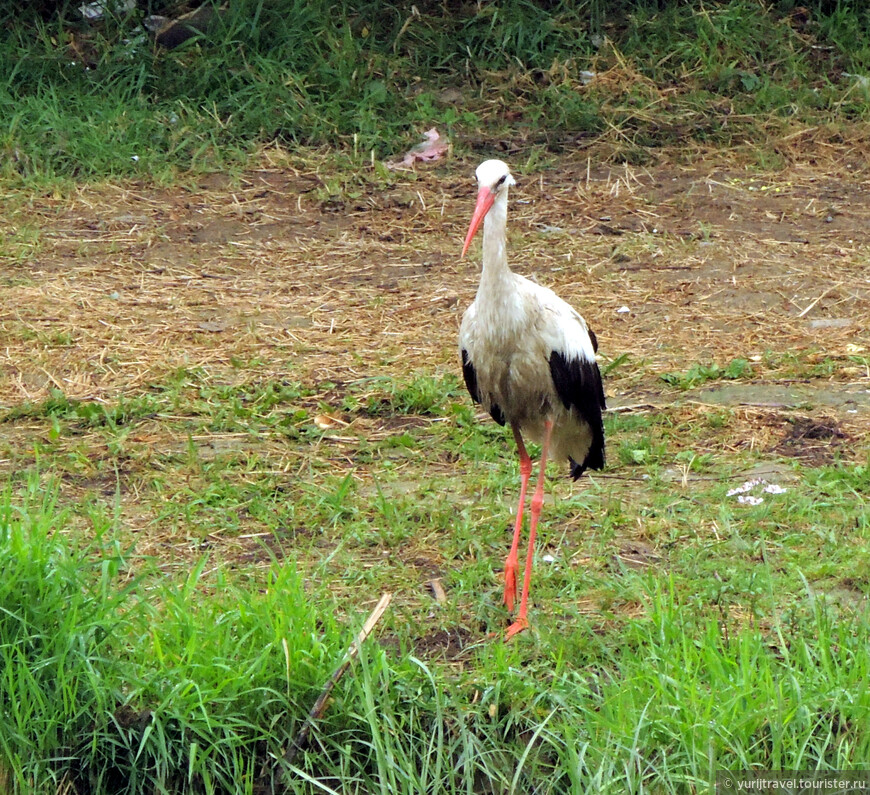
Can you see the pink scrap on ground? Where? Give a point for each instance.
(432, 148)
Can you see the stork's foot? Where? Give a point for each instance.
(518, 626)
(511, 567)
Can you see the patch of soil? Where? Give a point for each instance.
(128, 718)
(402, 422)
(445, 644)
(815, 441)
(428, 567)
(442, 644)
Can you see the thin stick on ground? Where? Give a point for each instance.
(319, 707)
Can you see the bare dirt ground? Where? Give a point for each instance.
(672, 265)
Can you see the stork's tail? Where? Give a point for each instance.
(594, 460)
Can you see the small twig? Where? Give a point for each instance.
(634, 407)
(414, 13)
(817, 300)
(320, 705)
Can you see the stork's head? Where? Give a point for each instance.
(493, 180)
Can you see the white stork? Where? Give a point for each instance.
(529, 360)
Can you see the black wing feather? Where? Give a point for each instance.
(470, 376)
(578, 384)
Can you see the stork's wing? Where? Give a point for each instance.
(469, 373)
(466, 332)
(578, 384)
(575, 373)
(470, 376)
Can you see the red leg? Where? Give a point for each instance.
(522, 621)
(511, 565)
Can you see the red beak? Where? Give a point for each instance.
(485, 200)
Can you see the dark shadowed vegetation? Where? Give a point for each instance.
(81, 99)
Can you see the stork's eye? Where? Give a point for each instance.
(501, 180)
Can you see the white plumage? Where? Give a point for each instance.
(509, 341)
(529, 359)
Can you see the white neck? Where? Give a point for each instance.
(498, 302)
(495, 264)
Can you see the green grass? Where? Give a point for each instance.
(86, 103)
(701, 373)
(109, 679)
(739, 638)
